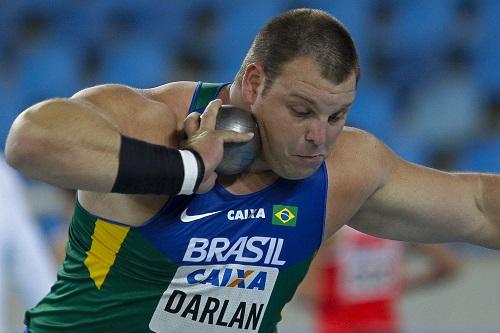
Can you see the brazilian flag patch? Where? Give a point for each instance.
(285, 215)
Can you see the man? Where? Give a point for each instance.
(144, 254)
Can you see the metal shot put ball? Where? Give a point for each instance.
(237, 156)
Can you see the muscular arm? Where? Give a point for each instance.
(74, 143)
(419, 204)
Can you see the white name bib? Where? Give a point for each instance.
(215, 298)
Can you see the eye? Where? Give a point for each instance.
(299, 112)
(336, 116)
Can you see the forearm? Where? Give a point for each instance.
(66, 143)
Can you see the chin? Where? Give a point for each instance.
(296, 173)
(287, 168)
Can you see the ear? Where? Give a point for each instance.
(252, 82)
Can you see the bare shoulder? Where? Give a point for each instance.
(357, 151)
(178, 94)
(163, 94)
(358, 165)
(161, 109)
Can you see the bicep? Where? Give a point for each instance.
(421, 204)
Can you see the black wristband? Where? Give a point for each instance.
(146, 168)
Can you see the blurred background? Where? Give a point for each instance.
(430, 88)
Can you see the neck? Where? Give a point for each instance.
(248, 182)
(235, 97)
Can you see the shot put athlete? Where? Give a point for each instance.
(159, 242)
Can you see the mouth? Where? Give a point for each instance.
(311, 159)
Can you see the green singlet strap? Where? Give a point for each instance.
(204, 93)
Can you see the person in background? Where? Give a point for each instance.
(356, 281)
(25, 259)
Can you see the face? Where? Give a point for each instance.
(300, 116)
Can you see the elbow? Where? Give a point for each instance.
(487, 235)
(490, 236)
(24, 142)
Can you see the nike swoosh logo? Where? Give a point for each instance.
(190, 218)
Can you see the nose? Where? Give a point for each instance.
(316, 133)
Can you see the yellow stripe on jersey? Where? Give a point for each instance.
(106, 242)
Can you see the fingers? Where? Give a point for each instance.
(232, 136)
(192, 123)
(210, 115)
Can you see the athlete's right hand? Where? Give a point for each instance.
(209, 142)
